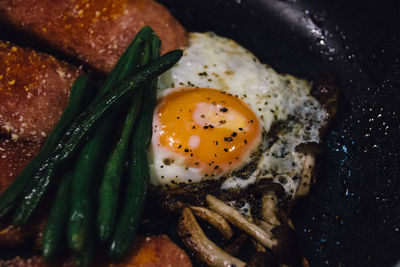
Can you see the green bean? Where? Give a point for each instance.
(138, 174)
(109, 188)
(86, 168)
(56, 225)
(74, 137)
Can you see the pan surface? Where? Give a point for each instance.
(352, 217)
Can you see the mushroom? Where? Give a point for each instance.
(234, 217)
(214, 219)
(194, 238)
(306, 175)
(269, 210)
(280, 238)
(287, 246)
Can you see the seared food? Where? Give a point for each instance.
(220, 110)
(236, 140)
(233, 143)
(95, 31)
(75, 141)
(153, 251)
(14, 157)
(34, 90)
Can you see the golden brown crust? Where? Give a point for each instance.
(34, 90)
(95, 31)
(35, 261)
(13, 237)
(14, 156)
(154, 251)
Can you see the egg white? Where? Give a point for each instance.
(211, 61)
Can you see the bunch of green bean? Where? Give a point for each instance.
(89, 189)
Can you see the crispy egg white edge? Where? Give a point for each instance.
(272, 97)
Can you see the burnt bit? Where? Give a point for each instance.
(311, 148)
(203, 74)
(223, 109)
(175, 198)
(167, 161)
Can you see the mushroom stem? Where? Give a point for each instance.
(234, 217)
(270, 208)
(194, 238)
(258, 246)
(306, 175)
(214, 219)
(267, 227)
(286, 219)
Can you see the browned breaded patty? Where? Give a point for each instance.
(14, 155)
(35, 261)
(96, 31)
(154, 251)
(12, 236)
(34, 90)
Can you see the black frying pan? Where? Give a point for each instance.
(352, 217)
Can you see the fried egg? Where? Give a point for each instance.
(220, 109)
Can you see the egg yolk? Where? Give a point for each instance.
(213, 131)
